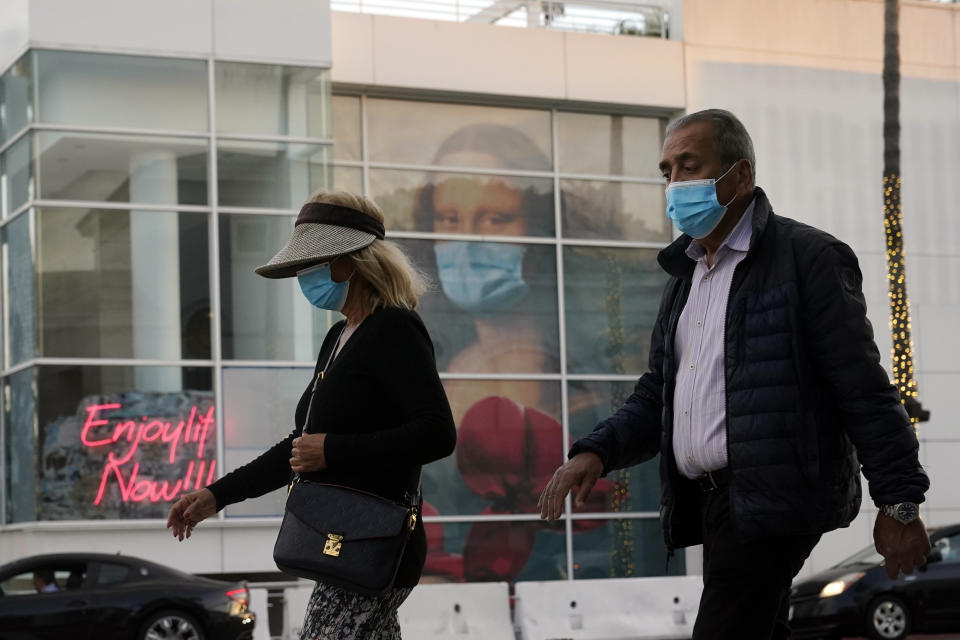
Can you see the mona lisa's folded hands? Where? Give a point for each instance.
(307, 453)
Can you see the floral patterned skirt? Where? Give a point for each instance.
(337, 614)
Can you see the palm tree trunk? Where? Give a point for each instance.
(892, 219)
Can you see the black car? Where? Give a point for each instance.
(86, 596)
(856, 598)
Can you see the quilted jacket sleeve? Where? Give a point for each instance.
(846, 356)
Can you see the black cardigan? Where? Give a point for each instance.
(385, 413)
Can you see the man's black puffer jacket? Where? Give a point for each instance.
(807, 399)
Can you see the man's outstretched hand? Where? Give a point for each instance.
(580, 472)
(904, 547)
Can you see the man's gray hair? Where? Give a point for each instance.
(733, 141)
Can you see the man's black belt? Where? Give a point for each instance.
(713, 480)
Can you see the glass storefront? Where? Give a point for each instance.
(142, 192)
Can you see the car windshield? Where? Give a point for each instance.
(865, 556)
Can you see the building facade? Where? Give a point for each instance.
(151, 162)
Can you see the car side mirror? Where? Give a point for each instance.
(935, 556)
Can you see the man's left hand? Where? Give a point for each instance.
(307, 453)
(904, 547)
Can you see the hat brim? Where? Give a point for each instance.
(313, 243)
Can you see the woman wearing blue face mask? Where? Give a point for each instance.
(374, 411)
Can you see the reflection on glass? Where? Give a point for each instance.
(614, 145)
(623, 549)
(509, 442)
(122, 168)
(412, 132)
(97, 89)
(20, 290)
(593, 209)
(612, 297)
(123, 284)
(464, 203)
(269, 99)
(20, 456)
(16, 97)
(495, 309)
(634, 489)
(347, 141)
(271, 174)
(16, 168)
(264, 319)
(348, 179)
(112, 442)
(493, 551)
(258, 407)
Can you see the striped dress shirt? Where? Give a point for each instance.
(699, 401)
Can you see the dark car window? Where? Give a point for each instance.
(949, 548)
(111, 573)
(45, 578)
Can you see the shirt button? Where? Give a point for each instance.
(691, 366)
(686, 413)
(699, 324)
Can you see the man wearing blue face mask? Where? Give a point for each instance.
(764, 394)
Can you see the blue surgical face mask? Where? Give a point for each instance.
(319, 288)
(693, 205)
(481, 277)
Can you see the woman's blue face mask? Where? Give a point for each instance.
(319, 288)
(481, 277)
(693, 205)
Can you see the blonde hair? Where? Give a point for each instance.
(391, 279)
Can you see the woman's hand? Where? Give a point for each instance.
(307, 453)
(189, 510)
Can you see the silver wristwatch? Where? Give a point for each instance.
(902, 512)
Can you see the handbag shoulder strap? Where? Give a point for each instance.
(319, 377)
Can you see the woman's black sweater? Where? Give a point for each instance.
(385, 414)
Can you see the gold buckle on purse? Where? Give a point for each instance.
(333, 545)
(413, 520)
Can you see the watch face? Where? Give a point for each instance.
(906, 512)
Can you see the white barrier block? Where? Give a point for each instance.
(295, 608)
(458, 612)
(614, 609)
(260, 606)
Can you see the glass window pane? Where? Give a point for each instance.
(271, 174)
(493, 551)
(611, 298)
(347, 140)
(464, 203)
(20, 289)
(20, 405)
(634, 489)
(16, 166)
(509, 443)
(111, 442)
(16, 97)
(258, 412)
(456, 135)
(595, 209)
(123, 284)
(264, 319)
(98, 89)
(121, 168)
(494, 306)
(623, 549)
(348, 179)
(615, 145)
(269, 99)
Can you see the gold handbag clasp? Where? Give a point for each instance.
(333, 545)
(413, 520)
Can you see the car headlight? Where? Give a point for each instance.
(840, 585)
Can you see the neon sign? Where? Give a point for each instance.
(125, 438)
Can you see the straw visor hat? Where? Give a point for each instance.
(322, 231)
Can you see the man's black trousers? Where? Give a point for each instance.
(746, 585)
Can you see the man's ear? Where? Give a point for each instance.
(744, 178)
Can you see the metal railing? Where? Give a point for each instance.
(587, 16)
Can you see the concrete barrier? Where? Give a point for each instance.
(614, 609)
(458, 612)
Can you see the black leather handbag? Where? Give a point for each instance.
(343, 536)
